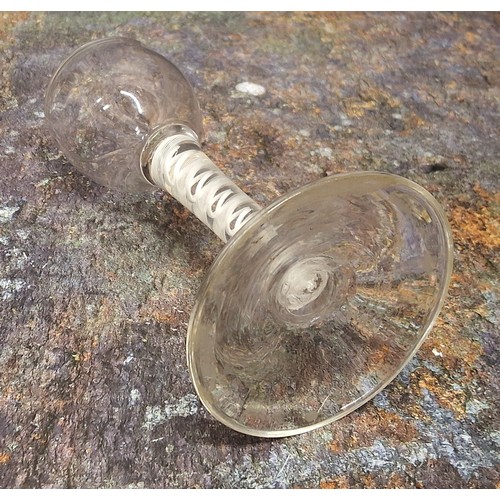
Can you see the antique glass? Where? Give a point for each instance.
(316, 302)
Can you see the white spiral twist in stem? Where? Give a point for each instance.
(179, 167)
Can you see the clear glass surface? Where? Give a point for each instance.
(107, 99)
(318, 303)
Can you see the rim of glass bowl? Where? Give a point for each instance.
(78, 51)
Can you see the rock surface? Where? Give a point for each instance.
(96, 286)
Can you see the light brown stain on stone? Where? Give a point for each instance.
(9, 20)
(475, 222)
(369, 481)
(455, 352)
(339, 482)
(475, 227)
(369, 425)
(370, 97)
(448, 395)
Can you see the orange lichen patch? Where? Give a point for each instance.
(62, 323)
(459, 279)
(181, 213)
(486, 195)
(161, 311)
(369, 425)
(475, 221)
(8, 20)
(456, 351)
(299, 97)
(396, 481)
(378, 95)
(370, 97)
(81, 357)
(448, 397)
(469, 42)
(476, 228)
(4, 458)
(368, 481)
(407, 398)
(382, 423)
(162, 317)
(335, 447)
(470, 37)
(412, 121)
(382, 353)
(373, 480)
(356, 108)
(340, 482)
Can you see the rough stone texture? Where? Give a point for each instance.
(96, 286)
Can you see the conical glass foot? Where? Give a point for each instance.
(318, 303)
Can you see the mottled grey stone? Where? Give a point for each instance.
(96, 286)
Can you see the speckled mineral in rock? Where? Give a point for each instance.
(6, 214)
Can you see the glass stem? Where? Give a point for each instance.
(178, 166)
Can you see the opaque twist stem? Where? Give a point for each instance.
(179, 167)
